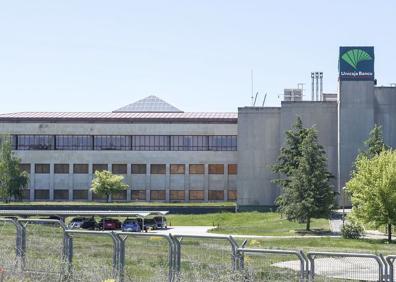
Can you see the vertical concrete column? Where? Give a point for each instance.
(90, 177)
(206, 183)
(52, 179)
(186, 182)
(71, 181)
(148, 182)
(226, 182)
(167, 182)
(129, 181)
(32, 181)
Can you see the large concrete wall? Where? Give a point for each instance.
(356, 119)
(258, 148)
(385, 113)
(322, 116)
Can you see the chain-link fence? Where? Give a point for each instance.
(8, 235)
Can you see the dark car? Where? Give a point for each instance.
(90, 224)
(153, 223)
(109, 224)
(77, 222)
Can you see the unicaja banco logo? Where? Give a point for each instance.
(355, 56)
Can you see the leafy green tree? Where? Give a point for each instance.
(105, 183)
(12, 179)
(375, 142)
(373, 190)
(309, 193)
(290, 153)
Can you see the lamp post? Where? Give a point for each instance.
(343, 206)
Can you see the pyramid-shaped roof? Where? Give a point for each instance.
(150, 104)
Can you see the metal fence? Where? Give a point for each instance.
(51, 252)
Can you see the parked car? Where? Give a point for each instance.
(131, 225)
(77, 222)
(109, 224)
(90, 224)
(160, 222)
(152, 223)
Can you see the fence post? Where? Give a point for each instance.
(391, 260)
(120, 256)
(311, 275)
(20, 245)
(235, 254)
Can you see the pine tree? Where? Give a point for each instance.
(289, 154)
(12, 180)
(375, 143)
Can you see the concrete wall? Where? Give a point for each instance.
(258, 148)
(356, 119)
(385, 113)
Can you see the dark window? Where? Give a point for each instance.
(74, 142)
(158, 169)
(216, 195)
(24, 167)
(216, 169)
(119, 168)
(232, 195)
(61, 194)
(99, 167)
(176, 195)
(42, 168)
(138, 168)
(197, 169)
(61, 168)
(80, 168)
(112, 142)
(177, 168)
(222, 143)
(40, 194)
(80, 194)
(137, 195)
(25, 194)
(157, 195)
(35, 142)
(196, 195)
(119, 196)
(232, 169)
(150, 143)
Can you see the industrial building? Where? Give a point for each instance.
(166, 154)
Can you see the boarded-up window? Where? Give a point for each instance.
(61, 194)
(119, 196)
(196, 195)
(24, 167)
(41, 194)
(80, 194)
(232, 169)
(216, 169)
(176, 195)
(157, 195)
(138, 195)
(80, 168)
(61, 168)
(232, 195)
(119, 168)
(99, 167)
(216, 195)
(158, 169)
(177, 168)
(197, 169)
(42, 168)
(97, 197)
(25, 194)
(138, 169)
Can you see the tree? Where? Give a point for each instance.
(106, 183)
(375, 143)
(309, 193)
(373, 190)
(12, 179)
(288, 159)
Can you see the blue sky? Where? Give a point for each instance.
(93, 55)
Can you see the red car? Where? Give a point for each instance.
(109, 224)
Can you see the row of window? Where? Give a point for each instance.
(126, 142)
(135, 168)
(136, 195)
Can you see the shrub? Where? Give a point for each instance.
(352, 230)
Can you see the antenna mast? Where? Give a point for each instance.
(251, 78)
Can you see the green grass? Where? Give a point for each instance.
(247, 223)
(148, 204)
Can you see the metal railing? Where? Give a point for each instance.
(306, 267)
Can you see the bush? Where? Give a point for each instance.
(352, 231)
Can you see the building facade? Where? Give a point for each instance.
(169, 155)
